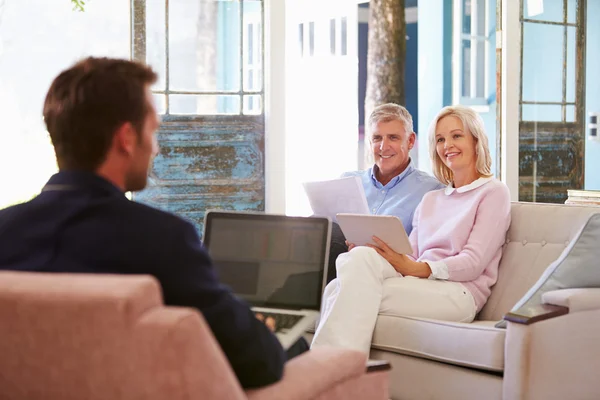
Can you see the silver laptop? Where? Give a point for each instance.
(276, 263)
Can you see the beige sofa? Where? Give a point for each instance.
(91, 337)
(556, 358)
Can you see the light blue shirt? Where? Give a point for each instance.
(401, 196)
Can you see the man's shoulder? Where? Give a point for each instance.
(148, 226)
(13, 209)
(17, 211)
(425, 180)
(156, 217)
(359, 173)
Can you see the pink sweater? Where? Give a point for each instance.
(460, 233)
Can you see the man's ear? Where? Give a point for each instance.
(412, 138)
(125, 138)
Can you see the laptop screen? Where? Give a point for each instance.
(270, 260)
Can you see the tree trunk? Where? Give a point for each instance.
(139, 30)
(387, 52)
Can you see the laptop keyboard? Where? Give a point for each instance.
(283, 322)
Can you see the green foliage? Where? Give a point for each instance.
(78, 5)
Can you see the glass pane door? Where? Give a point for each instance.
(552, 99)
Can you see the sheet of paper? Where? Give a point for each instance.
(343, 195)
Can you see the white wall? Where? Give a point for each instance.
(275, 106)
(430, 74)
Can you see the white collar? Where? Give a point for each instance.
(473, 185)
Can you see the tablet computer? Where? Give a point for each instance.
(360, 229)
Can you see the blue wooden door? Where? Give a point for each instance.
(209, 57)
(208, 162)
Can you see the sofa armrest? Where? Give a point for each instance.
(556, 359)
(575, 300)
(378, 365)
(529, 315)
(313, 373)
(557, 303)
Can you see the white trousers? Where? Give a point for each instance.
(367, 285)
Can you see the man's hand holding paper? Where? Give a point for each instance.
(343, 195)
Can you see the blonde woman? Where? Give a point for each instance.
(457, 240)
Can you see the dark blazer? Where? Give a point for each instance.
(82, 223)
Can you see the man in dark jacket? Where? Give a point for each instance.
(102, 122)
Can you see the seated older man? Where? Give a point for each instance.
(393, 185)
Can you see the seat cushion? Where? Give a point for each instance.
(577, 267)
(476, 345)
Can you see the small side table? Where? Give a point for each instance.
(583, 197)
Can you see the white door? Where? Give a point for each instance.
(321, 94)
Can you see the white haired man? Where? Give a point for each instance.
(393, 186)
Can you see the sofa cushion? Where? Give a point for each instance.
(537, 236)
(577, 267)
(476, 345)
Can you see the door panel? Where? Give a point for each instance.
(550, 162)
(208, 162)
(552, 101)
(209, 56)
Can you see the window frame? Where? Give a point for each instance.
(138, 53)
(481, 103)
(252, 65)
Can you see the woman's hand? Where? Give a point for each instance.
(350, 245)
(401, 262)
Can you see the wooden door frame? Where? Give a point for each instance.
(509, 84)
(508, 77)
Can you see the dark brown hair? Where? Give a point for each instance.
(88, 102)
